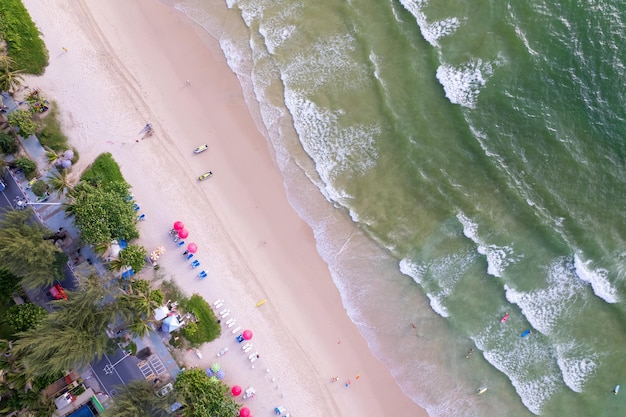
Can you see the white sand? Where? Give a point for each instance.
(126, 64)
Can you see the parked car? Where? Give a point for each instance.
(57, 292)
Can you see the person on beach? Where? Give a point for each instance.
(413, 325)
(469, 353)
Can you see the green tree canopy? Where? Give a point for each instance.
(101, 214)
(134, 256)
(24, 251)
(138, 399)
(204, 396)
(24, 120)
(25, 316)
(72, 335)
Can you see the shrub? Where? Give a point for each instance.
(7, 143)
(26, 165)
(207, 327)
(22, 119)
(51, 135)
(24, 44)
(134, 256)
(39, 188)
(104, 170)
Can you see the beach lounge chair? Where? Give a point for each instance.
(238, 328)
(189, 256)
(195, 263)
(136, 207)
(180, 243)
(220, 305)
(248, 349)
(231, 324)
(141, 217)
(202, 274)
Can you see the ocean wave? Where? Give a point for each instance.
(498, 257)
(576, 366)
(598, 278)
(463, 83)
(412, 269)
(336, 150)
(433, 31)
(544, 307)
(529, 364)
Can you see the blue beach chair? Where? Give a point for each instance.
(195, 263)
(189, 256)
(202, 275)
(180, 243)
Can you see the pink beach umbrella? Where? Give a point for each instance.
(247, 334)
(192, 248)
(244, 412)
(183, 233)
(236, 390)
(178, 225)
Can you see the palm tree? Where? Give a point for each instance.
(72, 335)
(60, 182)
(10, 80)
(24, 251)
(138, 399)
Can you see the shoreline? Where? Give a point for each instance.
(125, 66)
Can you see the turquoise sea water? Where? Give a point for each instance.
(475, 158)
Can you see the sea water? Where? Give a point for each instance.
(457, 161)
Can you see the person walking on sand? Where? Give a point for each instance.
(469, 353)
(64, 48)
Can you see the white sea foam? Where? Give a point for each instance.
(328, 63)
(529, 365)
(336, 150)
(412, 269)
(544, 307)
(576, 366)
(433, 31)
(598, 278)
(462, 84)
(277, 30)
(498, 257)
(437, 306)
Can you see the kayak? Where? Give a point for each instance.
(200, 149)
(205, 176)
(481, 390)
(526, 333)
(505, 318)
(616, 390)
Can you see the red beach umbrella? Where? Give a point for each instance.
(178, 225)
(247, 334)
(244, 412)
(192, 248)
(236, 390)
(183, 233)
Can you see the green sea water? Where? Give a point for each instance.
(456, 161)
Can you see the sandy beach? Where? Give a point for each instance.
(127, 64)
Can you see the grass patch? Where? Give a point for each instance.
(206, 327)
(50, 133)
(104, 170)
(24, 44)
